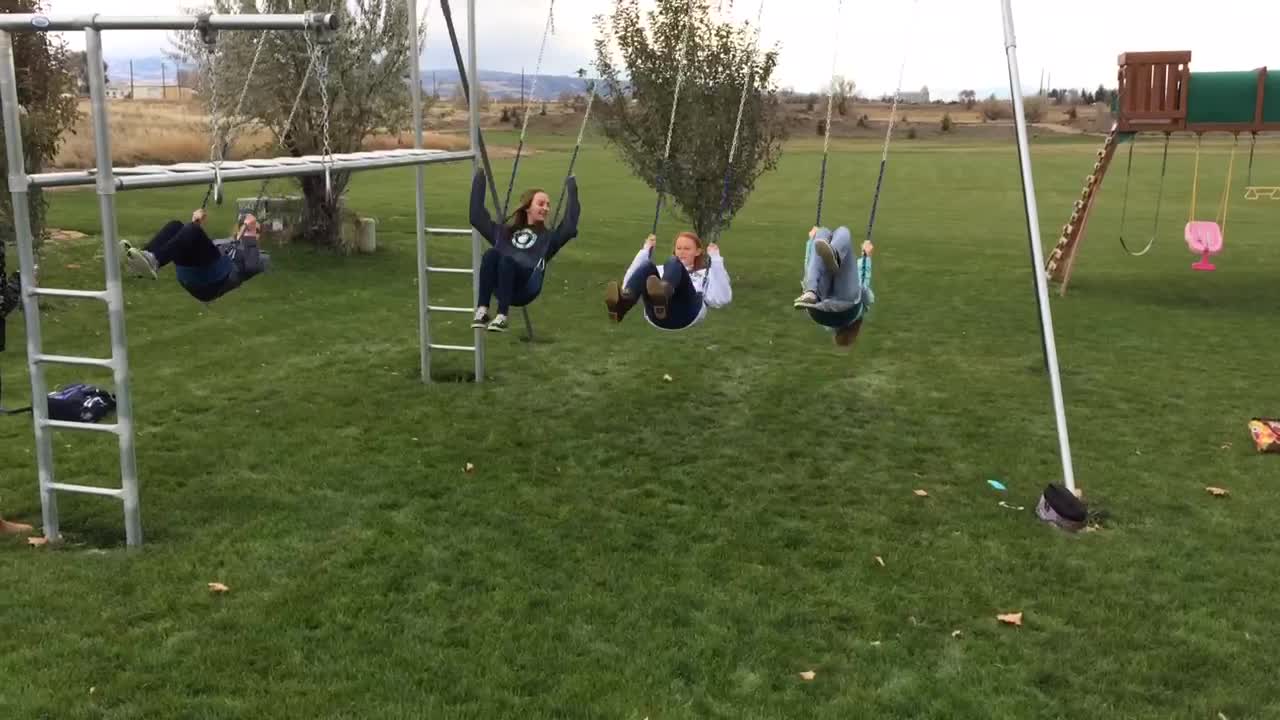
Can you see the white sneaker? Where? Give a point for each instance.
(499, 324)
(481, 320)
(140, 262)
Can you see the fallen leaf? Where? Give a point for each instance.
(1226, 446)
(1217, 491)
(1004, 504)
(73, 266)
(218, 587)
(808, 675)
(875, 643)
(1010, 618)
(922, 493)
(666, 377)
(468, 468)
(880, 560)
(38, 540)
(93, 690)
(955, 633)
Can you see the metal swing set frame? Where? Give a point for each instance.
(109, 180)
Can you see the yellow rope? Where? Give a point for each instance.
(1226, 193)
(1195, 180)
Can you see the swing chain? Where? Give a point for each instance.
(1253, 144)
(737, 125)
(1124, 212)
(826, 135)
(528, 99)
(253, 65)
(209, 36)
(322, 77)
(586, 116)
(283, 132)
(675, 104)
(888, 137)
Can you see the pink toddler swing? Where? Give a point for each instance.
(1204, 236)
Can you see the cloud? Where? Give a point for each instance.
(946, 44)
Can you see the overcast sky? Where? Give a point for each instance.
(948, 44)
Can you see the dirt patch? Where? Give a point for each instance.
(60, 235)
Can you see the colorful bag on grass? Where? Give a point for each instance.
(1266, 434)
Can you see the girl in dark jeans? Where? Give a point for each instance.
(204, 270)
(513, 268)
(676, 294)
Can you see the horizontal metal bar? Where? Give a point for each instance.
(449, 231)
(458, 271)
(74, 360)
(463, 348)
(82, 294)
(446, 308)
(187, 174)
(245, 21)
(87, 489)
(90, 427)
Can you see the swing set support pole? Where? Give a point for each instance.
(1037, 253)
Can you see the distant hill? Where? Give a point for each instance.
(498, 84)
(505, 84)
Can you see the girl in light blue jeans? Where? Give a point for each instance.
(837, 286)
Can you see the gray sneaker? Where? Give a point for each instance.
(808, 299)
(828, 255)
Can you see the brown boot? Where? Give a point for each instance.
(618, 300)
(659, 292)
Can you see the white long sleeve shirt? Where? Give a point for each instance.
(718, 291)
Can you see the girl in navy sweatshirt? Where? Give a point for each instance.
(205, 270)
(514, 267)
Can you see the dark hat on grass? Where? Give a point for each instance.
(1061, 507)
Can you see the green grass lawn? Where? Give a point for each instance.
(629, 547)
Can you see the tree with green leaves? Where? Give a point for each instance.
(47, 107)
(361, 70)
(636, 96)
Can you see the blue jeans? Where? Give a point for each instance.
(685, 303)
(513, 283)
(845, 285)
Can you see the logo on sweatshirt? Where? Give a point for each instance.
(524, 239)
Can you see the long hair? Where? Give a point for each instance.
(520, 218)
(704, 260)
(845, 336)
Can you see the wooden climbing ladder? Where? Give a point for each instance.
(1060, 261)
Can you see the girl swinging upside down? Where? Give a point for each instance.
(837, 289)
(514, 267)
(204, 269)
(677, 293)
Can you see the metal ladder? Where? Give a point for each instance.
(113, 296)
(118, 363)
(424, 301)
(425, 271)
